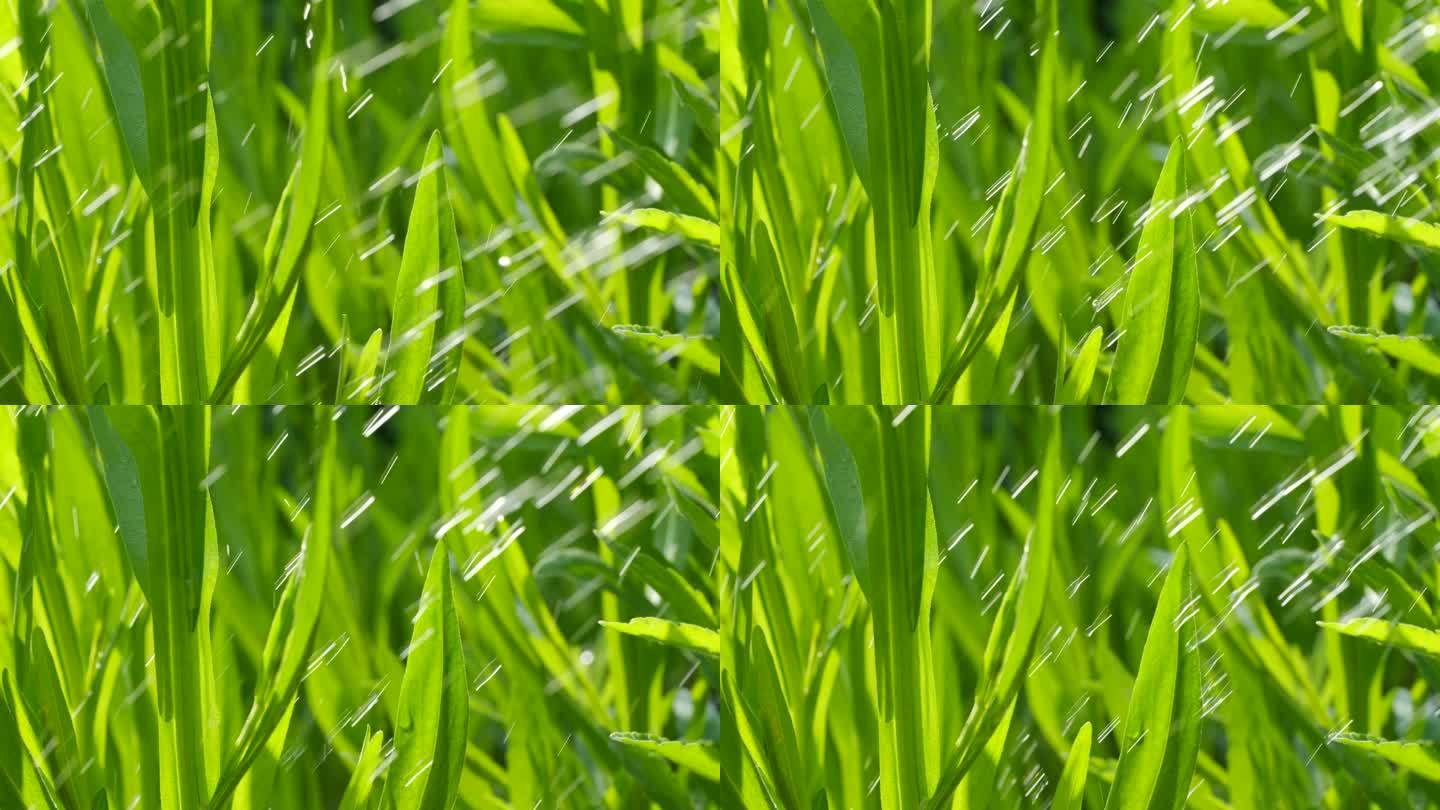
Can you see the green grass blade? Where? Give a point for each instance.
(1419, 757)
(693, 348)
(700, 231)
(1012, 234)
(288, 242)
(417, 296)
(362, 776)
(126, 86)
(127, 495)
(842, 72)
(842, 480)
(679, 185)
(980, 786)
(1147, 728)
(367, 369)
(433, 707)
(1174, 787)
(1070, 792)
(1080, 377)
(171, 513)
(24, 735)
(698, 758)
(700, 640)
(1401, 635)
(1152, 362)
(287, 646)
(1420, 351)
(1404, 230)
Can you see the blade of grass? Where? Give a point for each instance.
(363, 775)
(1145, 741)
(700, 231)
(1162, 304)
(1414, 756)
(126, 88)
(696, 757)
(433, 708)
(1401, 229)
(152, 484)
(417, 295)
(1395, 634)
(1076, 390)
(1415, 350)
(676, 634)
(1070, 792)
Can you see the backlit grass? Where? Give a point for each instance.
(1120, 201)
(214, 201)
(961, 607)
(398, 608)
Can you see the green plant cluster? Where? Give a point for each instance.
(319, 607)
(225, 201)
(1122, 608)
(670, 404)
(1132, 201)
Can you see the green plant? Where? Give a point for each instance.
(937, 201)
(334, 473)
(539, 628)
(438, 201)
(972, 607)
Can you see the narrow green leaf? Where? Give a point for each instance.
(690, 637)
(1395, 634)
(682, 191)
(1162, 301)
(1420, 351)
(1070, 792)
(126, 86)
(528, 15)
(698, 757)
(288, 242)
(28, 737)
(467, 121)
(1249, 13)
(1081, 375)
(367, 369)
(1420, 757)
(842, 480)
(1008, 650)
(362, 777)
(1173, 789)
(700, 231)
(287, 646)
(127, 497)
(979, 788)
(1405, 230)
(417, 294)
(842, 72)
(1012, 233)
(430, 728)
(1147, 728)
(694, 349)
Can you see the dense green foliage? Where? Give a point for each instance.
(432, 201)
(1131, 608)
(1128, 201)
(655, 404)
(507, 607)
